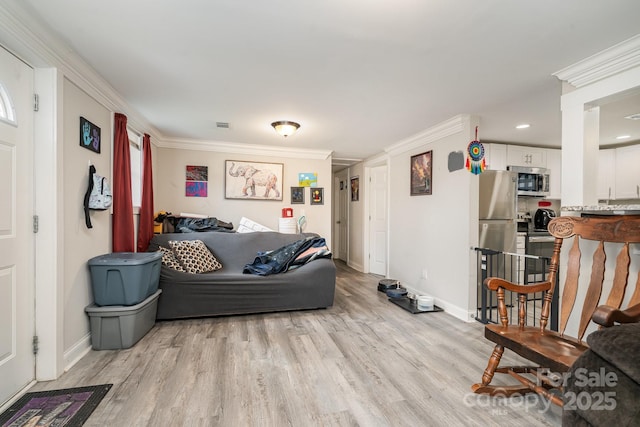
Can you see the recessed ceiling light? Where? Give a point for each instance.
(523, 126)
(623, 136)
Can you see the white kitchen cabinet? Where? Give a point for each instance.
(526, 156)
(627, 172)
(606, 174)
(495, 156)
(554, 165)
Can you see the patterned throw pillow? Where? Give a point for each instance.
(169, 259)
(194, 256)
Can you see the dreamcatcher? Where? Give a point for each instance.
(475, 156)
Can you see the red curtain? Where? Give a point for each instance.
(145, 225)
(122, 230)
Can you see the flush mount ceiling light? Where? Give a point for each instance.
(285, 127)
(523, 126)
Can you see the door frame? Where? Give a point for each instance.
(48, 298)
(337, 202)
(49, 244)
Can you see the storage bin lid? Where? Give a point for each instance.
(125, 258)
(120, 310)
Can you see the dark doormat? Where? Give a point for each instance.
(67, 407)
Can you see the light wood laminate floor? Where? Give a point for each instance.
(362, 362)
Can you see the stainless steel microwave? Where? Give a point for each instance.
(531, 181)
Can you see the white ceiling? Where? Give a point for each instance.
(358, 75)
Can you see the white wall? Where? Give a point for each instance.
(432, 233)
(169, 177)
(80, 242)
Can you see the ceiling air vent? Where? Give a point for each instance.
(222, 125)
(633, 117)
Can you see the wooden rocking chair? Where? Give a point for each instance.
(553, 353)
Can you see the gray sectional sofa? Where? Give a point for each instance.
(229, 291)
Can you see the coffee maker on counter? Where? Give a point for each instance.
(542, 218)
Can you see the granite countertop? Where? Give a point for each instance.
(604, 209)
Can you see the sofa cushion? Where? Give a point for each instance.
(620, 346)
(194, 256)
(169, 259)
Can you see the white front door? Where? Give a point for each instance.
(378, 211)
(17, 362)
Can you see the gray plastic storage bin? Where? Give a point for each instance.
(119, 327)
(124, 278)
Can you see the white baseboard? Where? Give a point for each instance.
(6, 405)
(356, 266)
(77, 352)
(455, 311)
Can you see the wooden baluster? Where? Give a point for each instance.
(522, 309)
(594, 291)
(502, 308)
(494, 360)
(620, 278)
(553, 273)
(635, 298)
(570, 284)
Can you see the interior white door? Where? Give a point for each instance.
(378, 220)
(17, 362)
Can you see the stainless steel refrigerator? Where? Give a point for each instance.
(498, 198)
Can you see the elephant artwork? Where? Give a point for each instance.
(253, 180)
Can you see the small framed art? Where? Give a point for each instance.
(355, 188)
(421, 183)
(297, 195)
(89, 135)
(317, 195)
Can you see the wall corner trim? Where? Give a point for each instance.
(441, 130)
(614, 60)
(238, 148)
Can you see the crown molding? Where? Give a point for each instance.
(238, 148)
(447, 128)
(377, 159)
(606, 63)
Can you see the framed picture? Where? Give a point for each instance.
(308, 179)
(195, 188)
(421, 182)
(253, 180)
(355, 188)
(196, 178)
(89, 135)
(317, 195)
(297, 195)
(197, 173)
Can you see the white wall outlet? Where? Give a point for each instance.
(424, 273)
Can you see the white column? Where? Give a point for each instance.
(580, 135)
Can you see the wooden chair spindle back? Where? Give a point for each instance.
(605, 229)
